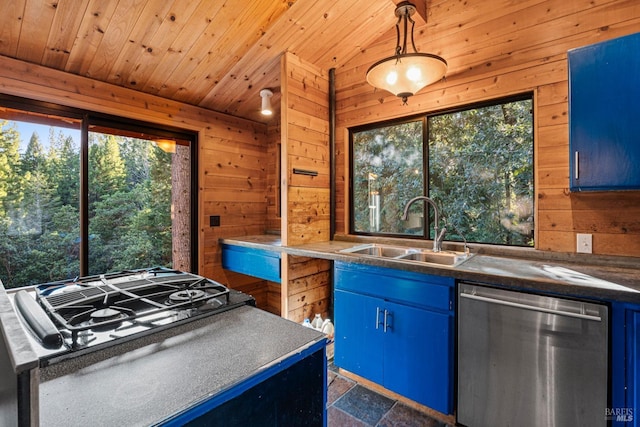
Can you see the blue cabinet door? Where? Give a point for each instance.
(358, 335)
(625, 365)
(633, 368)
(604, 130)
(393, 340)
(418, 356)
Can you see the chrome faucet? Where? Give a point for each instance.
(437, 241)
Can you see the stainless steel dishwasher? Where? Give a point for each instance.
(530, 360)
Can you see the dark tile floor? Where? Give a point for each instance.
(353, 405)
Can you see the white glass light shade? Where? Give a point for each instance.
(406, 74)
(266, 109)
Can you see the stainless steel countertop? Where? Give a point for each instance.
(593, 277)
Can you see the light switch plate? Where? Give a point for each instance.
(584, 243)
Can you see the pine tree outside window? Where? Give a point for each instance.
(476, 163)
(137, 211)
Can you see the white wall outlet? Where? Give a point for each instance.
(584, 243)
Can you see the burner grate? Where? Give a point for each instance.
(80, 306)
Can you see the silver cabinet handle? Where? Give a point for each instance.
(377, 317)
(532, 308)
(387, 315)
(576, 169)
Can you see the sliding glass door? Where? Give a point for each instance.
(39, 198)
(135, 183)
(89, 195)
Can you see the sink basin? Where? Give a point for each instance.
(382, 251)
(400, 253)
(449, 258)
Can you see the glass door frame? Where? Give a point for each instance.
(90, 118)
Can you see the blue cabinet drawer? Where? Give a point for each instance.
(253, 262)
(420, 290)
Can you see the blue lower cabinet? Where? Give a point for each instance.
(358, 348)
(405, 348)
(290, 393)
(259, 263)
(625, 366)
(417, 359)
(633, 368)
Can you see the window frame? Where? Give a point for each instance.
(92, 118)
(426, 230)
(425, 159)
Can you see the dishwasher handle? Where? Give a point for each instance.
(531, 307)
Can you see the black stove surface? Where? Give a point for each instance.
(86, 314)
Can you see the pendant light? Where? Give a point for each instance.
(404, 74)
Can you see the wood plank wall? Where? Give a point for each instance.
(232, 151)
(274, 220)
(509, 48)
(306, 288)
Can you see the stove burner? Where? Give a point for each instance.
(105, 314)
(104, 319)
(119, 305)
(186, 295)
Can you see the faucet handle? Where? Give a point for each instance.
(467, 250)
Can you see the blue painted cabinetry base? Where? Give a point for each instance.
(395, 328)
(625, 366)
(633, 365)
(252, 262)
(288, 394)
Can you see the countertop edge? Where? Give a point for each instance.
(265, 242)
(17, 343)
(609, 283)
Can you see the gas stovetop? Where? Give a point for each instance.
(89, 313)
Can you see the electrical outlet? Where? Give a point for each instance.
(584, 243)
(214, 221)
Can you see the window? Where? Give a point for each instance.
(387, 165)
(475, 163)
(137, 210)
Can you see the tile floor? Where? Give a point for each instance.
(352, 405)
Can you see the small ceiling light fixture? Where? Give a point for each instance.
(266, 95)
(404, 74)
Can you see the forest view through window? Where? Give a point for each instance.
(475, 163)
(138, 210)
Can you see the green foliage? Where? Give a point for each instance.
(129, 211)
(480, 171)
(387, 172)
(9, 166)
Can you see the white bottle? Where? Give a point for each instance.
(328, 329)
(317, 322)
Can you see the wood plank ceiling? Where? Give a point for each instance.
(217, 54)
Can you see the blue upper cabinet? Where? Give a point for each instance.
(604, 115)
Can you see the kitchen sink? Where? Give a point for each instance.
(416, 255)
(449, 258)
(382, 251)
